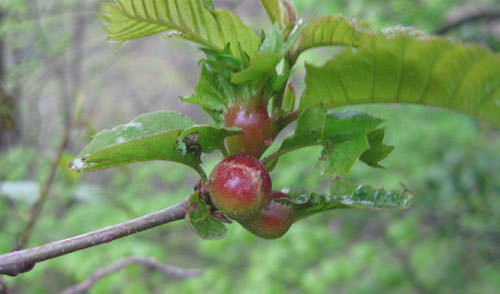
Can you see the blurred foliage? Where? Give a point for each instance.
(446, 243)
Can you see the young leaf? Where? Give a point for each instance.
(274, 10)
(223, 62)
(289, 99)
(187, 19)
(206, 138)
(262, 64)
(200, 219)
(339, 158)
(343, 134)
(405, 67)
(211, 94)
(215, 91)
(378, 150)
(345, 140)
(152, 136)
(332, 30)
(265, 64)
(209, 4)
(364, 197)
(275, 41)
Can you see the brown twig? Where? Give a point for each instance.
(24, 236)
(485, 14)
(4, 288)
(22, 261)
(148, 262)
(78, 40)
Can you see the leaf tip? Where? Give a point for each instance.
(76, 164)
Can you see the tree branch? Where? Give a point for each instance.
(148, 262)
(22, 261)
(35, 211)
(4, 288)
(485, 14)
(23, 237)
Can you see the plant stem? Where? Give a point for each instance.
(288, 119)
(24, 236)
(288, 66)
(147, 262)
(22, 261)
(489, 13)
(4, 288)
(202, 173)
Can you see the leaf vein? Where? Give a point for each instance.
(431, 72)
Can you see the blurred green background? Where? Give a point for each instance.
(55, 61)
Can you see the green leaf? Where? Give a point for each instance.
(406, 67)
(223, 62)
(345, 140)
(215, 90)
(344, 136)
(378, 150)
(268, 67)
(274, 10)
(201, 221)
(206, 138)
(289, 99)
(332, 30)
(187, 19)
(262, 65)
(212, 94)
(209, 4)
(364, 197)
(275, 40)
(152, 136)
(339, 158)
(148, 137)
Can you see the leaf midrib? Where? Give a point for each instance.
(171, 26)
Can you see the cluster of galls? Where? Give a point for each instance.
(240, 186)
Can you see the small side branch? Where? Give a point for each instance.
(486, 14)
(147, 262)
(24, 236)
(4, 288)
(22, 261)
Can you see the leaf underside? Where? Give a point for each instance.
(332, 30)
(212, 94)
(187, 19)
(262, 64)
(363, 197)
(346, 136)
(201, 221)
(275, 11)
(404, 68)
